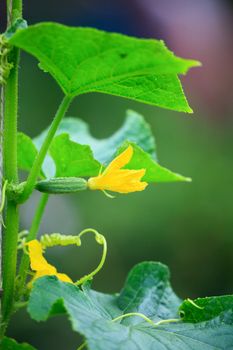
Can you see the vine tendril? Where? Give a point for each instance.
(108, 194)
(5, 66)
(194, 304)
(57, 239)
(82, 346)
(2, 205)
(147, 319)
(51, 240)
(100, 239)
(3, 196)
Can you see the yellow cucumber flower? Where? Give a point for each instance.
(40, 265)
(116, 179)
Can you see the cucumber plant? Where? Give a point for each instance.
(66, 158)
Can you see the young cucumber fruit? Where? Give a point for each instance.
(59, 185)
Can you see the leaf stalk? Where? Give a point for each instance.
(36, 168)
(24, 264)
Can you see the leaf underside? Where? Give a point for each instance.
(134, 129)
(147, 290)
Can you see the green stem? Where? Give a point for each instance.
(24, 264)
(9, 259)
(14, 10)
(36, 168)
(10, 122)
(9, 255)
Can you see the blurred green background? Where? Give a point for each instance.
(186, 226)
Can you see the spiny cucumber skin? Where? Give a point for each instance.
(61, 185)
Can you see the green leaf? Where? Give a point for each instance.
(72, 152)
(147, 291)
(10, 344)
(134, 129)
(161, 90)
(154, 171)
(27, 151)
(85, 60)
(73, 159)
(204, 309)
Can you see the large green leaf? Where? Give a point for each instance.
(85, 60)
(161, 90)
(154, 171)
(147, 291)
(10, 344)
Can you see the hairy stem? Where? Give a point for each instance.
(1, 181)
(9, 259)
(9, 255)
(10, 111)
(24, 264)
(14, 10)
(36, 168)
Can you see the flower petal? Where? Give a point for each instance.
(120, 161)
(40, 264)
(63, 277)
(119, 180)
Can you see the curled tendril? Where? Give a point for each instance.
(5, 66)
(51, 240)
(100, 239)
(22, 235)
(57, 239)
